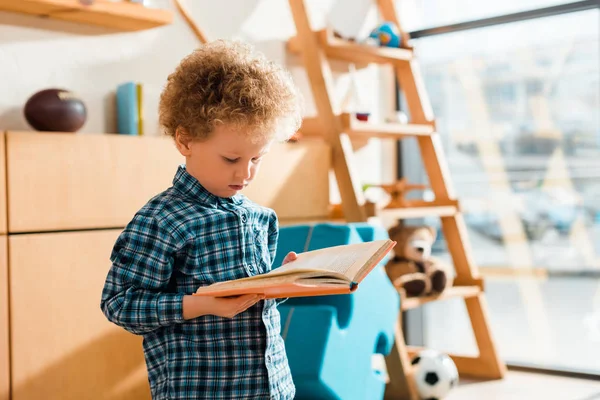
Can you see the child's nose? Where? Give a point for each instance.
(244, 172)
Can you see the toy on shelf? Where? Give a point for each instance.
(55, 110)
(413, 269)
(435, 374)
(387, 34)
(397, 192)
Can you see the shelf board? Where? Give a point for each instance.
(344, 50)
(419, 209)
(122, 16)
(386, 130)
(361, 129)
(413, 209)
(408, 303)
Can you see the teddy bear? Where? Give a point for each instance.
(412, 267)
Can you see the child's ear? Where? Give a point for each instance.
(183, 141)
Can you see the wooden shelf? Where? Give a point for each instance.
(412, 209)
(344, 50)
(419, 209)
(345, 134)
(464, 292)
(364, 129)
(122, 16)
(388, 130)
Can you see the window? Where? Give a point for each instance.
(423, 14)
(518, 108)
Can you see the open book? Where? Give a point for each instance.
(331, 270)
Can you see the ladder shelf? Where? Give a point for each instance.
(317, 49)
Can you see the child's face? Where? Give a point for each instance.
(226, 162)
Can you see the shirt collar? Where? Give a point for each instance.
(187, 184)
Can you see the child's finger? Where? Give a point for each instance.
(246, 298)
(291, 256)
(243, 306)
(249, 301)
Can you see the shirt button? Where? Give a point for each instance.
(269, 359)
(244, 218)
(251, 268)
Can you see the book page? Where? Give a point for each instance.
(274, 281)
(345, 261)
(249, 282)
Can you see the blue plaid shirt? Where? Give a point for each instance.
(181, 239)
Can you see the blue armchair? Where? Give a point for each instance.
(331, 341)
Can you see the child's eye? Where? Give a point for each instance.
(256, 160)
(230, 160)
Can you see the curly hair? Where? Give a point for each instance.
(224, 82)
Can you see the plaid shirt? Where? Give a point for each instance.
(181, 239)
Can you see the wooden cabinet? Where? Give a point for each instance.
(63, 348)
(65, 182)
(4, 326)
(3, 215)
(64, 198)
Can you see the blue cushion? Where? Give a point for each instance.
(330, 340)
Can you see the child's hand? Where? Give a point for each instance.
(229, 307)
(226, 307)
(291, 256)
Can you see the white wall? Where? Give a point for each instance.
(39, 53)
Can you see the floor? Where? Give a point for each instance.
(519, 385)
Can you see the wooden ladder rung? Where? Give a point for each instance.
(345, 50)
(411, 209)
(468, 366)
(387, 130)
(408, 303)
(356, 128)
(420, 209)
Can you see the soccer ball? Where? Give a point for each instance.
(435, 374)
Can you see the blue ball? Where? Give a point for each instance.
(387, 34)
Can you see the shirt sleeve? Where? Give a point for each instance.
(136, 292)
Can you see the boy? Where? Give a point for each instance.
(224, 107)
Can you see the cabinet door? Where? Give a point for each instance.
(62, 345)
(3, 212)
(59, 181)
(4, 346)
(66, 182)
